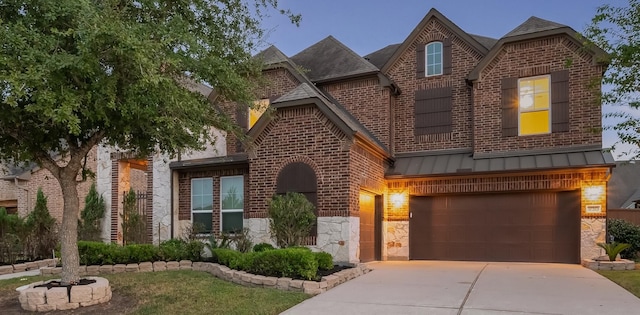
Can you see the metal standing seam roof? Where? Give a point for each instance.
(463, 162)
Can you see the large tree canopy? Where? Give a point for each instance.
(74, 73)
(617, 31)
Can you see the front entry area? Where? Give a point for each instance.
(369, 227)
(525, 227)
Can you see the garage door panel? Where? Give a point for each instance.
(537, 227)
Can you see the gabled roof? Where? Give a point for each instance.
(433, 13)
(533, 28)
(380, 57)
(307, 93)
(271, 55)
(330, 59)
(624, 186)
(487, 42)
(533, 25)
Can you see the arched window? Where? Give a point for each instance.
(299, 177)
(433, 57)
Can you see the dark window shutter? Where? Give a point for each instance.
(420, 62)
(446, 56)
(242, 118)
(509, 106)
(560, 101)
(432, 111)
(300, 177)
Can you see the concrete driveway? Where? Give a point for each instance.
(473, 288)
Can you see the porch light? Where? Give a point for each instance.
(593, 193)
(397, 199)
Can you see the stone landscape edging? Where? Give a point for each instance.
(622, 264)
(32, 265)
(225, 273)
(43, 299)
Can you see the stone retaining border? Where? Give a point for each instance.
(622, 264)
(42, 299)
(32, 265)
(225, 273)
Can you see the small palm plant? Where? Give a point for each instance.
(613, 249)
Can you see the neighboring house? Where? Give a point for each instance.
(446, 146)
(151, 179)
(623, 191)
(19, 186)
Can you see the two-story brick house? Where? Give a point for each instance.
(446, 146)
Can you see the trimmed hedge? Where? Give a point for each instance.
(98, 253)
(225, 256)
(625, 232)
(261, 247)
(325, 261)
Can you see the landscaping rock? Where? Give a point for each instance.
(93, 270)
(57, 296)
(315, 291)
(173, 265)
(310, 285)
(269, 281)
(29, 307)
(145, 267)
(227, 274)
(605, 265)
(68, 306)
(186, 265)
(45, 308)
(43, 263)
(295, 285)
(631, 265)
(198, 266)
(283, 283)
(6, 270)
(619, 265)
(36, 293)
(92, 302)
(56, 270)
(331, 281)
(119, 268)
(159, 266)
(245, 277)
(132, 268)
(82, 271)
(32, 265)
(257, 280)
(106, 269)
(19, 267)
(81, 293)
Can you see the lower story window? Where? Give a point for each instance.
(202, 204)
(231, 203)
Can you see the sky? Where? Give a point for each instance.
(368, 25)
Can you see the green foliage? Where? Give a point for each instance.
(42, 229)
(223, 242)
(613, 249)
(325, 261)
(290, 219)
(14, 238)
(134, 225)
(77, 73)
(261, 247)
(615, 29)
(623, 231)
(243, 241)
(89, 228)
(138, 253)
(286, 262)
(225, 256)
(177, 249)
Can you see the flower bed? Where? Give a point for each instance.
(226, 273)
(44, 297)
(32, 265)
(622, 264)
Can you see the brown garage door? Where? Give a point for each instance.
(532, 227)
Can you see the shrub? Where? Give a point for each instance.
(89, 228)
(97, 253)
(287, 262)
(243, 241)
(193, 250)
(290, 219)
(225, 256)
(325, 261)
(625, 232)
(137, 253)
(177, 249)
(261, 247)
(13, 237)
(613, 249)
(42, 229)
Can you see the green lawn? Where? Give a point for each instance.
(630, 279)
(183, 292)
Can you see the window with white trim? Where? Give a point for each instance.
(534, 105)
(202, 204)
(433, 58)
(231, 203)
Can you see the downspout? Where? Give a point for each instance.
(15, 179)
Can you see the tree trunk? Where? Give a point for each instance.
(68, 231)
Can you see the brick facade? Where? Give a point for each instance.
(531, 58)
(464, 58)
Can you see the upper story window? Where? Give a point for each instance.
(255, 113)
(534, 105)
(434, 60)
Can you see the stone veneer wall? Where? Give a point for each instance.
(103, 185)
(395, 240)
(338, 236)
(592, 231)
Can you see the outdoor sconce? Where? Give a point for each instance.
(593, 193)
(397, 199)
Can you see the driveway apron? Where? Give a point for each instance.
(473, 288)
